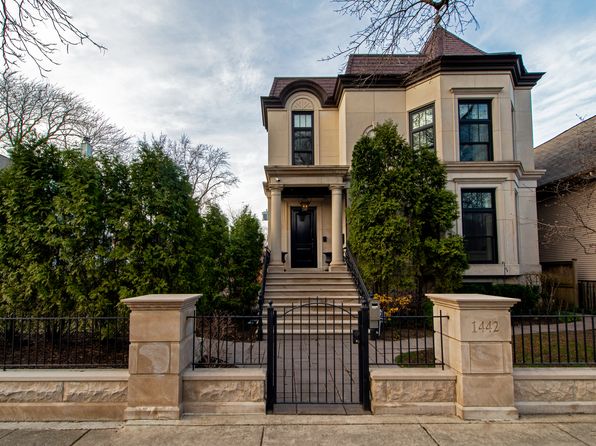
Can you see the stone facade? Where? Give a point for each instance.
(61, 395)
(224, 391)
(555, 390)
(412, 391)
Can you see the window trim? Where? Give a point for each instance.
(424, 127)
(312, 135)
(493, 210)
(489, 121)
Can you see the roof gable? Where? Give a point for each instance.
(443, 43)
(568, 154)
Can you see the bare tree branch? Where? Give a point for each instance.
(22, 21)
(31, 108)
(207, 168)
(392, 24)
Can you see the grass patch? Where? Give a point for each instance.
(554, 348)
(420, 358)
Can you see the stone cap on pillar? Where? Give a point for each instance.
(160, 302)
(472, 301)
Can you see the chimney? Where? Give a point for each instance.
(86, 148)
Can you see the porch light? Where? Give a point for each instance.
(304, 205)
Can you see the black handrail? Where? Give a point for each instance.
(261, 300)
(356, 276)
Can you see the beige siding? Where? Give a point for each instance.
(561, 243)
(328, 137)
(279, 138)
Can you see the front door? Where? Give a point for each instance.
(304, 237)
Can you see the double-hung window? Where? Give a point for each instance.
(422, 127)
(475, 130)
(302, 139)
(479, 225)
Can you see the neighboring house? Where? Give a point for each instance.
(472, 108)
(567, 198)
(4, 162)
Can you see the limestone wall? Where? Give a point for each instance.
(555, 390)
(224, 391)
(63, 395)
(413, 391)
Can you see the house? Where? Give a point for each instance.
(567, 198)
(473, 108)
(4, 162)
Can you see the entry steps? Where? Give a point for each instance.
(313, 302)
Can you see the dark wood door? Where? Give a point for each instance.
(304, 238)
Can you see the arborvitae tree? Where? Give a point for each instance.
(79, 234)
(401, 215)
(29, 281)
(215, 246)
(77, 229)
(163, 228)
(246, 247)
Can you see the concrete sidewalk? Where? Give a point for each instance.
(309, 430)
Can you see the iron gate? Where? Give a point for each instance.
(317, 354)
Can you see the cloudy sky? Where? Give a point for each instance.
(199, 67)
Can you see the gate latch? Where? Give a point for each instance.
(355, 336)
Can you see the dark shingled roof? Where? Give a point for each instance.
(326, 83)
(444, 43)
(443, 51)
(383, 63)
(440, 43)
(571, 153)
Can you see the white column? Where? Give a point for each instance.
(337, 257)
(275, 226)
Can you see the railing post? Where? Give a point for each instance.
(260, 321)
(271, 359)
(363, 350)
(476, 344)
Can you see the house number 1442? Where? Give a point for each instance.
(485, 326)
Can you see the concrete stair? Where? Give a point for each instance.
(313, 302)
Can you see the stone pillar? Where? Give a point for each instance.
(477, 346)
(337, 255)
(160, 349)
(275, 225)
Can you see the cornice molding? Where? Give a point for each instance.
(494, 167)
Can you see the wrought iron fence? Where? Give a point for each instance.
(553, 340)
(64, 342)
(587, 295)
(408, 341)
(228, 341)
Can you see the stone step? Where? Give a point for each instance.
(310, 282)
(347, 302)
(329, 326)
(292, 291)
(338, 302)
(313, 291)
(307, 282)
(310, 274)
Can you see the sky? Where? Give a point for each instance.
(199, 67)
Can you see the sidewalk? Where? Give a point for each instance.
(309, 430)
